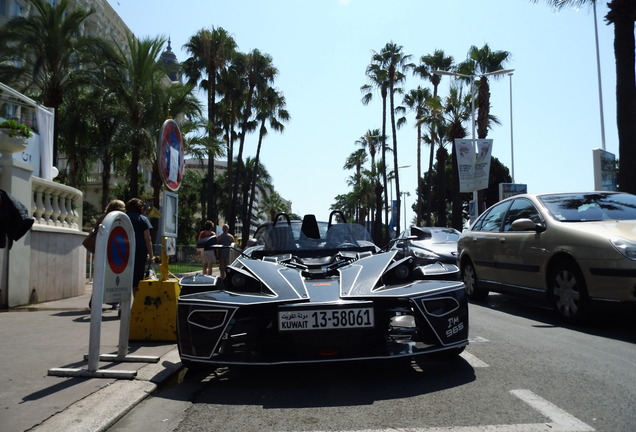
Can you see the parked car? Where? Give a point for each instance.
(316, 295)
(571, 247)
(428, 245)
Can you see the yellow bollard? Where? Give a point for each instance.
(154, 311)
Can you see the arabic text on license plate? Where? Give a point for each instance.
(325, 319)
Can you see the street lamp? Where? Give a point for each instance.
(391, 181)
(512, 148)
(472, 106)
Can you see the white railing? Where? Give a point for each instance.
(56, 205)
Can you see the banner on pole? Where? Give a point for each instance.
(473, 163)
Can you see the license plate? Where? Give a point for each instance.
(324, 319)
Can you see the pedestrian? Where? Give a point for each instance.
(89, 241)
(208, 256)
(143, 244)
(225, 239)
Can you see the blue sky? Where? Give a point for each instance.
(322, 48)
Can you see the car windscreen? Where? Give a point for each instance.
(284, 237)
(449, 235)
(593, 206)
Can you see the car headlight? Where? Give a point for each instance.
(425, 254)
(626, 247)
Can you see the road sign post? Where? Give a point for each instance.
(112, 282)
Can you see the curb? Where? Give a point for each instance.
(103, 408)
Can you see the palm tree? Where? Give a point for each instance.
(232, 87)
(482, 61)
(456, 112)
(210, 51)
(622, 13)
(372, 142)
(433, 62)
(438, 61)
(395, 62)
(272, 204)
(258, 72)
(270, 106)
(355, 161)
(377, 77)
(263, 184)
(139, 86)
(417, 100)
(43, 53)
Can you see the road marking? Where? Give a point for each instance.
(560, 421)
(473, 361)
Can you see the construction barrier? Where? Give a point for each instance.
(154, 311)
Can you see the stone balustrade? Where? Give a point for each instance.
(56, 205)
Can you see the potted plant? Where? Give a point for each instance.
(15, 129)
(13, 136)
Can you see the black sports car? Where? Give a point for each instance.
(311, 297)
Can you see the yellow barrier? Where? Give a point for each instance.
(154, 311)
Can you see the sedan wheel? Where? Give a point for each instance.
(470, 282)
(569, 294)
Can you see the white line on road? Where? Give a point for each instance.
(473, 361)
(560, 421)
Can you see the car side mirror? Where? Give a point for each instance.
(525, 224)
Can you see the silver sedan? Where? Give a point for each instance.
(571, 247)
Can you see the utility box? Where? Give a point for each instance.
(154, 311)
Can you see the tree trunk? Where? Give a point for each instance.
(622, 15)
(378, 236)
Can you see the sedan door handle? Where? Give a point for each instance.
(502, 240)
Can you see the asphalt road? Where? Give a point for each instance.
(524, 371)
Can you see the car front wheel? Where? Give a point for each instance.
(568, 291)
(469, 277)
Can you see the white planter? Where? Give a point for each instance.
(10, 145)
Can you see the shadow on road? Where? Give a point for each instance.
(612, 321)
(327, 385)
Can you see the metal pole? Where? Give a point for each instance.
(512, 147)
(472, 120)
(598, 69)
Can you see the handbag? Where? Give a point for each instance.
(91, 238)
(89, 241)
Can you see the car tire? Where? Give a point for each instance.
(568, 291)
(469, 277)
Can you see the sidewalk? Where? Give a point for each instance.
(56, 335)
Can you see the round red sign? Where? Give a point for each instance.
(171, 155)
(118, 249)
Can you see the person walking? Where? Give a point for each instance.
(89, 241)
(225, 239)
(143, 244)
(208, 255)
